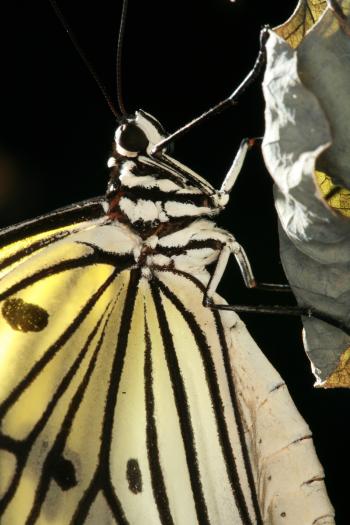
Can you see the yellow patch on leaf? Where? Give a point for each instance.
(337, 197)
(340, 378)
(304, 17)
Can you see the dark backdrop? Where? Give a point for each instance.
(179, 59)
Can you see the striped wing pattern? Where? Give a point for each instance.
(122, 407)
(118, 399)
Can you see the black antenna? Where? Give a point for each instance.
(85, 60)
(119, 57)
(224, 104)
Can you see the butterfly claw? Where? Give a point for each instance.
(207, 301)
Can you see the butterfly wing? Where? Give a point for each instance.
(67, 216)
(100, 402)
(57, 294)
(252, 455)
(118, 394)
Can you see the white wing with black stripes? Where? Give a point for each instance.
(124, 400)
(119, 393)
(104, 405)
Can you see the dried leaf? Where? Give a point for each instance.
(307, 131)
(341, 376)
(335, 196)
(293, 31)
(304, 17)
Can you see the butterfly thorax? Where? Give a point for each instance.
(153, 193)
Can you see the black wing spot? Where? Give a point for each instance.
(24, 317)
(63, 472)
(134, 476)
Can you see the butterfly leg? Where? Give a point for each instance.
(234, 171)
(227, 102)
(231, 246)
(223, 194)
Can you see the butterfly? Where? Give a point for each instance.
(124, 398)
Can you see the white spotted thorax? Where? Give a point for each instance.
(145, 190)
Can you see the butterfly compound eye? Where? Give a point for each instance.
(132, 139)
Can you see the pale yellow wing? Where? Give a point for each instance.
(110, 395)
(55, 305)
(118, 396)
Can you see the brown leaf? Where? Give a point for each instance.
(306, 149)
(304, 17)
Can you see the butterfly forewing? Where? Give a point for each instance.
(108, 392)
(121, 394)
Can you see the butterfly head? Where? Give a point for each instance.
(148, 191)
(137, 135)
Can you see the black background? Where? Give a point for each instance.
(180, 58)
